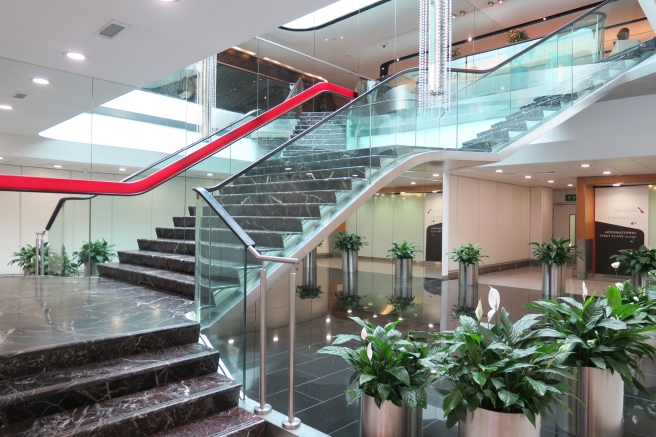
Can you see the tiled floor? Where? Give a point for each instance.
(321, 380)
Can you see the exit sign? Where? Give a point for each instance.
(570, 197)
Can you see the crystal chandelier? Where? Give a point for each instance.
(434, 87)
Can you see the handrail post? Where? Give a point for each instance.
(292, 422)
(39, 252)
(263, 408)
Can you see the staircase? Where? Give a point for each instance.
(155, 382)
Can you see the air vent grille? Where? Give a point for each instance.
(111, 29)
(19, 95)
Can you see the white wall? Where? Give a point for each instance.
(502, 218)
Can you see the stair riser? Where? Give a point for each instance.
(286, 187)
(373, 162)
(233, 254)
(184, 222)
(250, 224)
(86, 352)
(222, 425)
(358, 172)
(175, 265)
(218, 237)
(316, 156)
(182, 289)
(317, 197)
(180, 248)
(296, 211)
(107, 389)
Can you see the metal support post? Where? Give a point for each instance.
(292, 422)
(264, 408)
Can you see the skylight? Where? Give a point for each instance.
(328, 14)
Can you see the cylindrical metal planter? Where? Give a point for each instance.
(389, 420)
(603, 394)
(350, 271)
(310, 269)
(403, 269)
(486, 423)
(467, 275)
(553, 285)
(91, 269)
(638, 280)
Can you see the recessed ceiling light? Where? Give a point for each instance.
(210, 174)
(499, 171)
(57, 166)
(527, 177)
(1, 158)
(328, 320)
(377, 194)
(469, 39)
(413, 183)
(436, 175)
(570, 185)
(121, 169)
(168, 1)
(6, 107)
(434, 191)
(430, 325)
(616, 185)
(231, 341)
(544, 19)
(287, 168)
(402, 192)
(275, 338)
(75, 56)
(551, 182)
(585, 165)
(40, 80)
(606, 172)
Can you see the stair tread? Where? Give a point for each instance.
(176, 276)
(225, 423)
(58, 381)
(166, 255)
(115, 412)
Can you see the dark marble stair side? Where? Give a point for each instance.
(179, 284)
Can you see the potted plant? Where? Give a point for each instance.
(308, 291)
(553, 256)
(468, 256)
(402, 255)
(349, 244)
(517, 35)
(392, 372)
(401, 303)
(61, 265)
(604, 338)
(26, 259)
(91, 254)
(506, 374)
(349, 301)
(638, 262)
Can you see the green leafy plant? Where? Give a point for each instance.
(96, 252)
(345, 241)
(62, 265)
(462, 310)
(601, 332)
(467, 254)
(455, 52)
(349, 301)
(404, 250)
(402, 303)
(388, 365)
(308, 291)
(641, 260)
(26, 258)
(558, 251)
(506, 368)
(517, 35)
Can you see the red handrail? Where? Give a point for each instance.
(82, 186)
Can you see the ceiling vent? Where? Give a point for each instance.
(19, 95)
(111, 29)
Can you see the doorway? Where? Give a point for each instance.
(564, 222)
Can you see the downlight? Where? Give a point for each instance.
(75, 56)
(40, 81)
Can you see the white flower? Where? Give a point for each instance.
(364, 334)
(636, 298)
(479, 310)
(494, 299)
(585, 291)
(619, 286)
(615, 265)
(370, 352)
(570, 245)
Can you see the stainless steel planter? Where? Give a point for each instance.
(603, 394)
(389, 420)
(91, 269)
(486, 423)
(553, 285)
(350, 271)
(638, 280)
(403, 269)
(467, 275)
(310, 269)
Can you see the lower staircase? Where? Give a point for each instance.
(158, 382)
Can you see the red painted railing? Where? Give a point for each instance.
(82, 186)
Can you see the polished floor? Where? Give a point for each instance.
(320, 380)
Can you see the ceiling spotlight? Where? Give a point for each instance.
(122, 169)
(527, 177)
(1, 158)
(231, 341)
(75, 56)
(469, 39)
(570, 185)
(551, 182)
(377, 194)
(6, 107)
(375, 316)
(544, 19)
(436, 175)
(275, 338)
(490, 4)
(585, 165)
(40, 81)
(606, 172)
(616, 185)
(499, 171)
(328, 320)
(434, 191)
(402, 192)
(462, 13)
(168, 1)
(413, 183)
(430, 325)
(453, 17)
(210, 174)
(328, 337)
(287, 168)
(500, 1)
(349, 311)
(57, 166)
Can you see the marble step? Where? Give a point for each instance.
(343, 184)
(158, 260)
(478, 145)
(219, 237)
(255, 223)
(234, 253)
(297, 210)
(178, 247)
(307, 197)
(33, 396)
(139, 414)
(47, 358)
(179, 284)
(235, 422)
(494, 134)
(315, 155)
(531, 114)
(354, 172)
(360, 161)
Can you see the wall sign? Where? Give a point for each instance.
(570, 197)
(433, 226)
(621, 222)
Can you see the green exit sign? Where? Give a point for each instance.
(570, 197)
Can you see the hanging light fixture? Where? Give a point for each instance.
(434, 55)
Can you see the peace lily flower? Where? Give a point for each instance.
(619, 286)
(370, 352)
(585, 291)
(479, 310)
(364, 334)
(615, 265)
(494, 299)
(636, 298)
